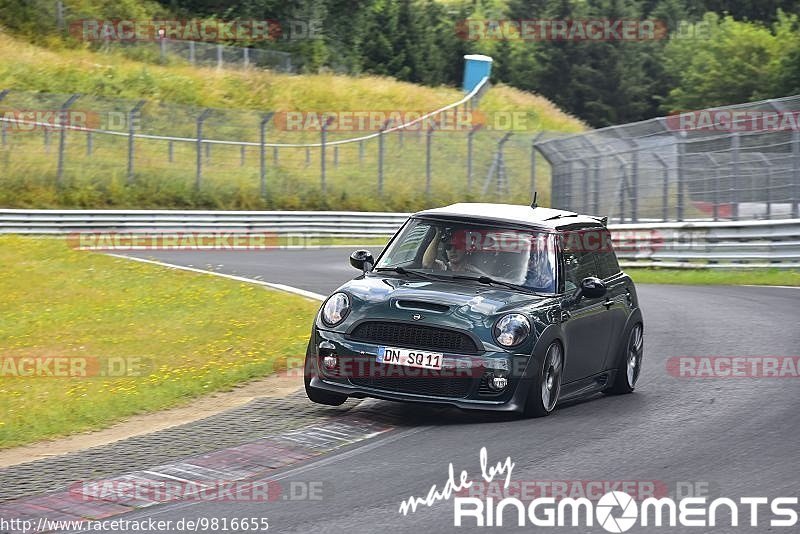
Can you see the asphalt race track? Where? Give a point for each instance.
(731, 437)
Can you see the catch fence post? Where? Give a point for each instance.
(428, 145)
(381, 141)
(4, 124)
(131, 131)
(62, 140)
(664, 187)
(323, 140)
(795, 174)
(470, 148)
(533, 161)
(263, 152)
(736, 178)
(199, 148)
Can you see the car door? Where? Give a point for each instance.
(587, 326)
(617, 300)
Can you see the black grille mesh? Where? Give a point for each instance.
(411, 335)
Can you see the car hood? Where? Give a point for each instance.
(457, 304)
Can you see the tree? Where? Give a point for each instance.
(752, 10)
(730, 67)
(785, 77)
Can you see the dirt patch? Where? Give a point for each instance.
(271, 386)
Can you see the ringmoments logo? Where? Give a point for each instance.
(616, 500)
(615, 511)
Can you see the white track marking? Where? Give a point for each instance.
(280, 287)
(782, 287)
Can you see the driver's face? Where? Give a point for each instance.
(455, 254)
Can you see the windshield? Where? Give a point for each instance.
(514, 256)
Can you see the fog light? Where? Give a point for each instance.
(330, 361)
(499, 382)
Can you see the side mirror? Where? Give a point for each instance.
(362, 260)
(591, 288)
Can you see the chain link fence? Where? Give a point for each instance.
(91, 144)
(165, 49)
(677, 168)
(202, 54)
(733, 163)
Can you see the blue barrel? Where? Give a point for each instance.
(476, 68)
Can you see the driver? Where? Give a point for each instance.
(456, 249)
(540, 272)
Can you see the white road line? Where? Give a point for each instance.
(782, 287)
(164, 475)
(280, 287)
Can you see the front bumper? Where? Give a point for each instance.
(462, 383)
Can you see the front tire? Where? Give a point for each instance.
(320, 396)
(543, 396)
(630, 363)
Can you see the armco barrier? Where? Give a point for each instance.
(702, 244)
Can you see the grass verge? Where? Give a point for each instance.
(766, 277)
(161, 337)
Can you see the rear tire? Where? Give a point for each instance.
(544, 392)
(629, 365)
(320, 396)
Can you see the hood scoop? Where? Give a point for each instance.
(421, 305)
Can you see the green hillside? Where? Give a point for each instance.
(176, 94)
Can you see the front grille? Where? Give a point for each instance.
(414, 335)
(432, 386)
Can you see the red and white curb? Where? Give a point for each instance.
(249, 462)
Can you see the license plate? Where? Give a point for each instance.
(410, 358)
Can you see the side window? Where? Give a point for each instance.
(606, 259)
(410, 246)
(578, 262)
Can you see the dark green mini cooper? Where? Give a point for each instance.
(481, 306)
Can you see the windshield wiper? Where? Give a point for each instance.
(489, 280)
(406, 272)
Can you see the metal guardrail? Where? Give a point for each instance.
(699, 244)
(334, 224)
(709, 244)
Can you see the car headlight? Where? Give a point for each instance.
(335, 309)
(512, 329)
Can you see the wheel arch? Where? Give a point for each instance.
(612, 357)
(552, 333)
